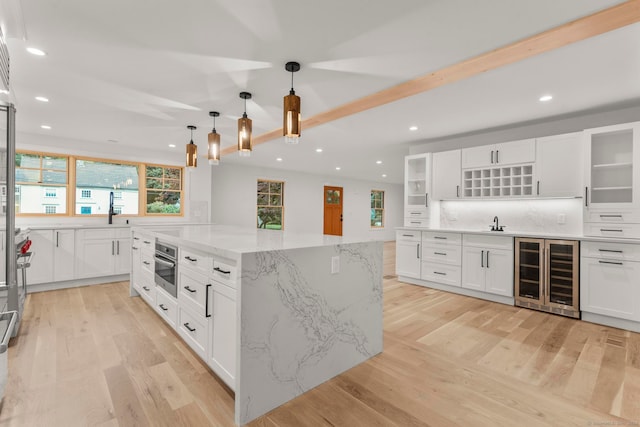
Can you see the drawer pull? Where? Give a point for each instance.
(415, 213)
(610, 250)
(408, 235)
(146, 289)
(146, 242)
(186, 325)
(604, 230)
(163, 307)
(188, 258)
(440, 253)
(414, 222)
(146, 262)
(136, 238)
(189, 289)
(610, 262)
(134, 248)
(440, 237)
(437, 272)
(219, 270)
(610, 216)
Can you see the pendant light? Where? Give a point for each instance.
(292, 122)
(192, 150)
(244, 129)
(213, 153)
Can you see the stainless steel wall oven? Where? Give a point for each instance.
(166, 267)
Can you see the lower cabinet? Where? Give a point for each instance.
(103, 252)
(166, 306)
(53, 256)
(222, 346)
(408, 253)
(487, 264)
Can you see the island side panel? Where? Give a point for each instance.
(302, 325)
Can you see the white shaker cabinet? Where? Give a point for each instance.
(506, 153)
(408, 253)
(54, 256)
(559, 165)
(447, 174)
(3, 252)
(222, 343)
(103, 252)
(487, 264)
(417, 189)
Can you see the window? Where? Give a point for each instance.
(96, 180)
(50, 209)
(117, 210)
(270, 204)
(37, 177)
(164, 190)
(377, 208)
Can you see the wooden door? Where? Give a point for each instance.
(333, 199)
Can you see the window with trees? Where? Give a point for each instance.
(377, 208)
(164, 190)
(270, 204)
(41, 181)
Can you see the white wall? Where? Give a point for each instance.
(233, 190)
(197, 183)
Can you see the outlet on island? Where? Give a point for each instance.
(335, 264)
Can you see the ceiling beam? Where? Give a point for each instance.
(610, 19)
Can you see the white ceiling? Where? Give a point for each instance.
(139, 72)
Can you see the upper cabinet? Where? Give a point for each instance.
(506, 153)
(559, 165)
(417, 174)
(446, 175)
(613, 166)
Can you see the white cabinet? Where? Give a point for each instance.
(223, 340)
(506, 153)
(487, 264)
(103, 252)
(408, 253)
(559, 165)
(441, 257)
(417, 170)
(446, 174)
(54, 256)
(609, 282)
(3, 254)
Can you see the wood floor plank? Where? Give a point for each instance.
(127, 407)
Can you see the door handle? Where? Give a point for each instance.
(57, 238)
(117, 247)
(113, 250)
(206, 301)
(189, 289)
(491, 156)
(426, 200)
(418, 251)
(586, 197)
(163, 307)
(497, 156)
(482, 256)
(457, 191)
(538, 188)
(487, 259)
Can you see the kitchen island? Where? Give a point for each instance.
(273, 313)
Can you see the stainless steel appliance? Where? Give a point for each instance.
(547, 275)
(166, 267)
(7, 324)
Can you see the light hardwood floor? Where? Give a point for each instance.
(93, 356)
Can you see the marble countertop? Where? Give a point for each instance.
(231, 241)
(532, 234)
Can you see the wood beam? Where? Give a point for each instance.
(610, 19)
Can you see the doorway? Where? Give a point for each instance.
(333, 199)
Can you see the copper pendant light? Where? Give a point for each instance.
(213, 152)
(244, 129)
(192, 150)
(292, 121)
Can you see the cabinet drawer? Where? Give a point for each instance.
(441, 238)
(122, 233)
(416, 222)
(196, 260)
(445, 254)
(167, 307)
(147, 292)
(225, 272)
(192, 288)
(620, 251)
(612, 230)
(147, 270)
(416, 213)
(408, 236)
(144, 242)
(441, 273)
(611, 216)
(194, 329)
(95, 234)
(488, 241)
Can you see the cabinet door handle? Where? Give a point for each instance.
(146, 262)
(610, 216)
(586, 197)
(426, 200)
(219, 270)
(497, 156)
(163, 307)
(136, 238)
(611, 230)
(188, 258)
(610, 262)
(146, 242)
(206, 301)
(415, 222)
(610, 250)
(440, 237)
(189, 289)
(145, 288)
(487, 259)
(457, 191)
(186, 325)
(441, 274)
(408, 235)
(491, 156)
(134, 248)
(117, 247)
(418, 251)
(538, 188)
(57, 238)
(482, 259)
(113, 247)
(440, 253)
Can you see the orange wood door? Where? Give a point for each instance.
(333, 198)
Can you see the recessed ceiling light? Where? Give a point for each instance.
(42, 99)
(337, 168)
(172, 145)
(384, 175)
(45, 126)
(413, 128)
(35, 51)
(379, 162)
(545, 98)
(318, 150)
(279, 159)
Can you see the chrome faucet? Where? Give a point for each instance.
(496, 226)
(111, 212)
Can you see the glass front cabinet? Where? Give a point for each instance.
(417, 189)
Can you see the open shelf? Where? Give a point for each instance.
(498, 182)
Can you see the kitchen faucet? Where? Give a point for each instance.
(496, 226)
(111, 212)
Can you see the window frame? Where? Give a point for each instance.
(66, 186)
(143, 201)
(381, 209)
(269, 205)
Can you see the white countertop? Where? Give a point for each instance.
(231, 240)
(532, 234)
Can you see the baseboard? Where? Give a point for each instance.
(613, 322)
(41, 287)
(458, 290)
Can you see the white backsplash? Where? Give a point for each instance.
(516, 215)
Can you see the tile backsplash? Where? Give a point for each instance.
(563, 216)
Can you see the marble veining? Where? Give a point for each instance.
(301, 325)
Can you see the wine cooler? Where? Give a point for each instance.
(547, 275)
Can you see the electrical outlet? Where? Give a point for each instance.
(562, 218)
(335, 264)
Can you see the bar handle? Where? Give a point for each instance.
(615, 251)
(611, 230)
(610, 262)
(482, 258)
(113, 247)
(426, 200)
(538, 188)
(586, 197)
(418, 251)
(497, 156)
(206, 301)
(610, 216)
(57, 239)
(441, 274)
(186, 325)
(457, 191)
(491, 156)
(219, 270)
(487, 259)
